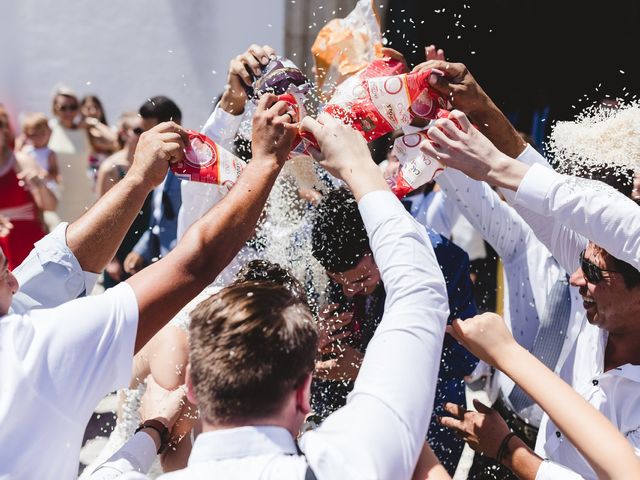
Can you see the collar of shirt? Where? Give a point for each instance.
(242, 442)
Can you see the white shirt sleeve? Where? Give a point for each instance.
(587, 207)
(77, 353)
(381, 430)
(51, 275)
(553, 471)
(136, 455)
(498, 223)
(563, 243)
(222, 127)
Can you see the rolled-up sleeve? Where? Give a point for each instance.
(51, 275)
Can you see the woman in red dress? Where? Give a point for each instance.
(23, 195)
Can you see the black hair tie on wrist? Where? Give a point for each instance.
(159, 427)
(503, 446)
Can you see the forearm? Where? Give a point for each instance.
(204, 251)
(573, 415)
(488, 118)
(521, 460)
(95, 237)
(364, 181)
(44, 198)
(429, 467)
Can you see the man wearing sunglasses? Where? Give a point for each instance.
(591, 230)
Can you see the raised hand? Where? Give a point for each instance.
(273, 130)
(156, 149)
(486, 336)
(329, 324)
(460, 146)
(433, 53)
(242, 71)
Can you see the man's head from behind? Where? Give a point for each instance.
(157, 110)
(252, 353)
(341, 245)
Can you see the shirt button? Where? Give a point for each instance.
(595, 382)
(558, 434)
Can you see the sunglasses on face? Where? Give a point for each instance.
(68, 108)
(138, 131)
(592, 272)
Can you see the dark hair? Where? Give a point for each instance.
(630, 274)
(161, 108)
(250, 345)
(339, 239)
(264, 270)
(619, 178)
(96, 100)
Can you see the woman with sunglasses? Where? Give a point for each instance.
(111, 171)
(103, 139)
(24, 196)
(71, 144)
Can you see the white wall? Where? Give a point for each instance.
(128, 50)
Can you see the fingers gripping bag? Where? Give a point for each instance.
(416, 168)
(205, 161)
(376, 102)
(345, 46)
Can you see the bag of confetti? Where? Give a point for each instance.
(345, 46)
(206, 162)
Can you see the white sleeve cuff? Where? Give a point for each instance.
(137, 455)
(553, 471)
(530, 156)
(222, 127)
(533, 192)
(377, 206)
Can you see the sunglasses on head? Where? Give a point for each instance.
(592, 272)
(68, 108)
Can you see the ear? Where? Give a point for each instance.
(191, 394)
(303, 396)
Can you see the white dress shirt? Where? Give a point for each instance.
(56, 365)
(379, 433)
(554, 205)
(50, 275)
(530, 269)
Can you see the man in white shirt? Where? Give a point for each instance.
(54, 372)
(564, 212)
(381, 430)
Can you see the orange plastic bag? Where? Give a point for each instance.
(345, 46)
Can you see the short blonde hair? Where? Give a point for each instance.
(34, 120)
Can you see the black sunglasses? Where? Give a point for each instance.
(68, 108)
(138, 131)
(592, 272)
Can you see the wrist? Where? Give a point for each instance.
(158, 431)
(136, 181)
(232, 105)
(506, 354)
(155, 436)
(520, 459)
(507, 172)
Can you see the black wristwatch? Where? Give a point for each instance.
(162, 430)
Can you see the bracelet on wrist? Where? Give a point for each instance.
(159, 427)
(504, 446)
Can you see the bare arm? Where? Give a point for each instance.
(209, 245)
(95, 237)
(429, 467)
(487, 337)
(34, 179)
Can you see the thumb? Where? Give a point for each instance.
(481, 407)
(312, 126)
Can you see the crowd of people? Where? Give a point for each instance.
(230, 366)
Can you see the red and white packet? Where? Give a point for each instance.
(206, 162)
(416, 168)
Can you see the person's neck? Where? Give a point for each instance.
(621, 349)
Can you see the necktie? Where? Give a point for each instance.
(549, 339)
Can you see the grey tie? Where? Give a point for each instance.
(550, 337)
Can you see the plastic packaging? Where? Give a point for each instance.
(279, 76)
(345, 46)
(207, 162)
(416, 168)
(375, 102)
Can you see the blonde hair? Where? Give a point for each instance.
(31, 121)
